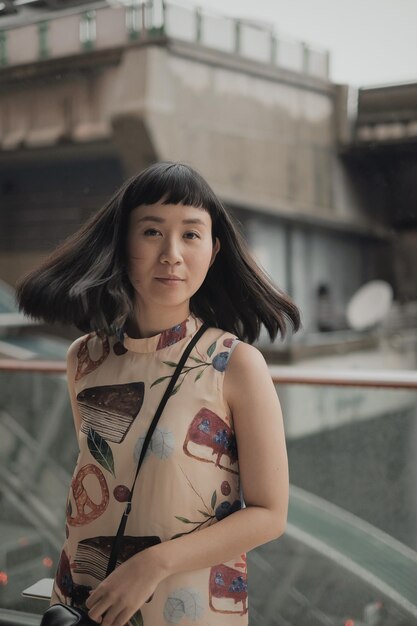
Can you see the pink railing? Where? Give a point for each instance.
(397, 379)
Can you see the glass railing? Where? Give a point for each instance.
(349, 553)
(81, 29)
(37, 456)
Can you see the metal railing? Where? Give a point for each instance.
(388, 379)
(81, 30)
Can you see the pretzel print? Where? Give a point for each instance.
(83, 500)
(85, 364)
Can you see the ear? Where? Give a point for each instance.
(216, 248)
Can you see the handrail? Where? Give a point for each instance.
(88, 29)
(396, 379)
(10, 617)
(38, 366)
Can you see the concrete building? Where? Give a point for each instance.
(91, 94)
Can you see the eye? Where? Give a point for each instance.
(191, 233)
(151, 230)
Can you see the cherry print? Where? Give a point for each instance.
(121, 493)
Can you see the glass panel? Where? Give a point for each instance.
(255, 43)
(317, 63)
(290, 54)
(38, 452)
(218, 32)
(350, 548)
(180, 22)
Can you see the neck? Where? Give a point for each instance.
(148, 323)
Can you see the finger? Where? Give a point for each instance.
(93, 597)
(97, 611)
(95, 615)
(98, 595)
(123, 618)
(114, 617)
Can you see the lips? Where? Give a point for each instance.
(171, 281)
(168, 278)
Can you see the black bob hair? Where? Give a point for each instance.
(84, 280)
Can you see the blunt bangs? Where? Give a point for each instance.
(172, 183)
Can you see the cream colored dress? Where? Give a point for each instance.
(189, 478)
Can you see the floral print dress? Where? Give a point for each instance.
(189, 478)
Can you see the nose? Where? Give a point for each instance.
(171, 252)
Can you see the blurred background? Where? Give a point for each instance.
(302, 116)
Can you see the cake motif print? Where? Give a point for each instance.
(110, 410)
(209, 435)
(85, 362)
(64, 585)
(227, 583)
(63, 577)
(92, 555)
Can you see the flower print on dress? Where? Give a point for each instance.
(207, 435)
(216, 511)
(218, 362)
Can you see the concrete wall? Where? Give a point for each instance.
(263, 137)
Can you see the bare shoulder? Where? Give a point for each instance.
(245, 356)
(246, 370)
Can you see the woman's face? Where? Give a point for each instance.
(166, 240)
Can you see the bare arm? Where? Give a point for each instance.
(263, 466)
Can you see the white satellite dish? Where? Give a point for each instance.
(369, 305)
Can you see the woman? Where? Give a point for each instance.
(140, 278)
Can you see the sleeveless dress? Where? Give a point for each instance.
(189, 478)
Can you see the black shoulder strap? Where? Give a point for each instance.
(168, 391)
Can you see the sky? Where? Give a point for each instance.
(371, 42)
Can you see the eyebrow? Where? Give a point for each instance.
(153, 218)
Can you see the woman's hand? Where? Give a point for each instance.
(117, 598)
